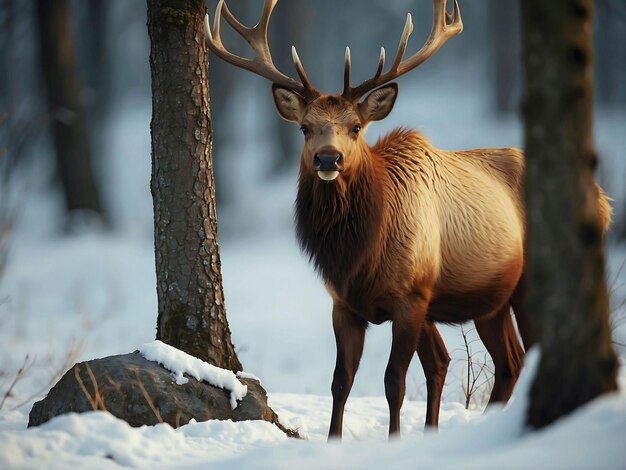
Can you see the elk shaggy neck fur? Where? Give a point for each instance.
(408, 209)
(339, 222)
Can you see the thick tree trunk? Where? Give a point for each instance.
(69, 129)
(567, 294)
(192, 316)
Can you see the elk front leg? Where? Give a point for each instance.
(406, 328)
(349, 336)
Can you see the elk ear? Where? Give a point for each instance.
(379, 103)
(290, 105)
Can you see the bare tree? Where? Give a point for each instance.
(192, 316)
(290, 28)
(504, 25)
(566, 288)
(69, 129)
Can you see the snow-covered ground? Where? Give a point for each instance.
(92, 294)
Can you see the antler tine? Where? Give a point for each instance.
(268, 8)
(262, 63)
(217, 21)
(242, 30)
(439, 14)
(300, 69)
(441, 31)
(404, 40)
(381, 63)
(444, 27)
(348, 91)
(346, 72)
(456, 21)
(257, 35)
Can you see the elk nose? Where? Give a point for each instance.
(327, 161)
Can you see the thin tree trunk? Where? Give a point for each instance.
(290, 26)
(567, 294)
(69, 129)
(7, 19)
(192, 316)
(504, 25)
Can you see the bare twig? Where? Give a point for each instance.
(468, 352)
(474, 370)
(19, 374)
(56, 373)
(617, 317)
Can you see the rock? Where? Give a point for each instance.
(143, 392)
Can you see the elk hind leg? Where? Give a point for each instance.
(523, 322)
(434, 357)
(500, 338)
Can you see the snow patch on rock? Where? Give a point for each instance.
(180, 363)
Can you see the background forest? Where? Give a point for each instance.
(477, 75)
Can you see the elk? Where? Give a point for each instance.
(400, 231)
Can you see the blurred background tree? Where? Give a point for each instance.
(567, 297)
(72, 146)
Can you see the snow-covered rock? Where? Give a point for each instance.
(141, 391)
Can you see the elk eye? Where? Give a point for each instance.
(304, 129)
(356, 129)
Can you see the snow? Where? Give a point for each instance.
(247, 375)
(181, 363)
(92, 294)
(592, 437)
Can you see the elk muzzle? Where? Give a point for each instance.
(328, 165)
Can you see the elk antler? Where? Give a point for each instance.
(444, 27)
(262, 63)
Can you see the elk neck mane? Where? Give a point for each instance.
(339, 223)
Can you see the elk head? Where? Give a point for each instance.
(332, 125)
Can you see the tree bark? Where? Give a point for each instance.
(69, 129)
(191, 316)
(566, 288)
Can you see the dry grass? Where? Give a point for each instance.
(148, 398)
(56, 371)
(96, 400)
